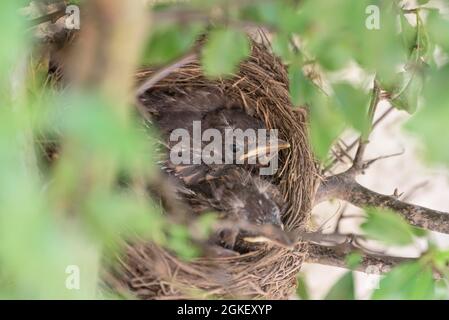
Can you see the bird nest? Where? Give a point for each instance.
(261, 86)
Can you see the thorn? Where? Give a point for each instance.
(396, 193)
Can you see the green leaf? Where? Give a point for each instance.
(441, 290)
(326, 124)
(112, 216)
(278, 14)
(408, 34)
(343, 289)
(339, 34)
(204, 224)
(429, 124)
(168, 42)
(387, 227)
(438, 29)
(441, 260)
(281, 47)
(90, 122)
(14, 36)
(421, 2)
(408, 90)
(301, 88)
(410, 281)
(179, 240)
(301, 287)
(224, 50)
(353, 104)
(353, 260)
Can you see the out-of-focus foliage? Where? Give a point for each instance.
(343, 289)
(302, 290)
(389, 228)
(58, 224)
(224, 49)
(409, 281)
(416, 280)
(170, 41)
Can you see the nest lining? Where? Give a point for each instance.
(261, 87)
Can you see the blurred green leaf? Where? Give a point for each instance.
(343, 289)
(224, 50)
(281, 47)
(115, 215)
(353, 104)
(410, 281)
(406, 95)
(438, 29)
(326, 124)
(179, 240)
(408, 34)
(441, 260)
(279, 14)
(204, 224)
(387, 227)
(14, 41)
(168, 42)
(441, 290)
(302, 290)
(429, 124)
(90, 122)
(353, 260)
(340, 35)
(302, 89)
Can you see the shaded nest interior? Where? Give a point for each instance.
(261, 87)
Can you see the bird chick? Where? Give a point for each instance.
(180, 107)
(253, 205)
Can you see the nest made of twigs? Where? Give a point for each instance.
(261, 87)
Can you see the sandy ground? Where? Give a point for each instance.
(422, 184)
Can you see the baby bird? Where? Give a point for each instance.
(181, 107)
(253, 206)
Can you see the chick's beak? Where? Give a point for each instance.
(261, 152)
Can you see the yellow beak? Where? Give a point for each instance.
(262, 151)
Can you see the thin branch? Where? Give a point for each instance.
(370, 263)
(354, 143)
(344, 187)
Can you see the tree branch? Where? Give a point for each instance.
(370, 263)
(344, 187)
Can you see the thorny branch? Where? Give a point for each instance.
(344, 186)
